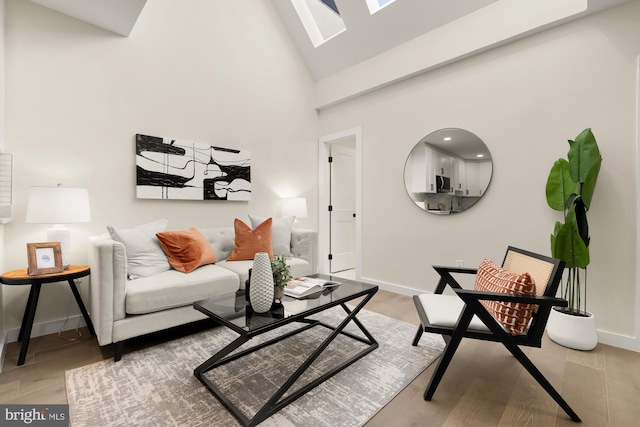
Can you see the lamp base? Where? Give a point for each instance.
(62, 235)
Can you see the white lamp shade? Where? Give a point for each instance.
(58, 205)
(294, 206)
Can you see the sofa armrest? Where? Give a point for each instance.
(108, 263)
(304, 244)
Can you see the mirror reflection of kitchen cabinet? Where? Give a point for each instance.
(459, 182)
(485, 170)
(422, 170)
(443, 163)
(478, 177)
(472, 170)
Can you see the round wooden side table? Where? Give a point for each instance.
(21, 277)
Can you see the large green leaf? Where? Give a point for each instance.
(553, 237)
(560, 186)
(583, 154)
(568, 245)
(580, 210)
(586, 190)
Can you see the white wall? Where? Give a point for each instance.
(222, 73)
(524, 100)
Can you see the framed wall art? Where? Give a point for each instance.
(44, 258)
(180, 170)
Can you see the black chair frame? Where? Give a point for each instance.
(532, 338)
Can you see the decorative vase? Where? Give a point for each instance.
(576, 332)
(261, 289)
(278, 293)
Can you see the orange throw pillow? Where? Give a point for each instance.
(186, 250)
(249, 242)
(513, 316)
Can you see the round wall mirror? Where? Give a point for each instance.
(448, 171)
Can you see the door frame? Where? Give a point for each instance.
(324, 149)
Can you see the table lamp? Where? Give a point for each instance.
(296, 207)
(58, 205)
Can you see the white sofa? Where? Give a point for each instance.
(122, 308)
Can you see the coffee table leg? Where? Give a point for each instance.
(219, 356)
(277, 402)
(274, 404)
(27, 320)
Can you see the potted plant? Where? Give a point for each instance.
(569, 189)
(281, 275)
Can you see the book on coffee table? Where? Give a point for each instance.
(302, 287)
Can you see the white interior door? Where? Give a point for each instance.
(343, 212)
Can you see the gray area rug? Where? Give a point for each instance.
(156, 386)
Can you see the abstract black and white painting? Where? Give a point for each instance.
(179, 170)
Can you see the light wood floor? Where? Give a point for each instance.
(484, 385)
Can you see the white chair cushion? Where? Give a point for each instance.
(444, 310)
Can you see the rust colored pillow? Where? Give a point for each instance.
(249, 242)
(186, 250)
(513, 316)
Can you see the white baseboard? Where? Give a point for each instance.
(52, 327)
(604, 337)
(11, 335)
(620, 341)
(392, 287)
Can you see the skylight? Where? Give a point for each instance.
(320, 18)
(376, 5)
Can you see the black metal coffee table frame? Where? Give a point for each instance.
(277, 402)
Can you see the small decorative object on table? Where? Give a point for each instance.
(261, 289)
(44, 258)
(281, 275)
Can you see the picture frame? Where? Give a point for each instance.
(44, 258)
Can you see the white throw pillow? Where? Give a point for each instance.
(145, 256)
(281, 233)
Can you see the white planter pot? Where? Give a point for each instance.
(576, 332)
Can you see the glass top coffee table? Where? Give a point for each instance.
(234, 312)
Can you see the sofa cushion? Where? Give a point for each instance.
(172, 288)
(241, 268)
(221, 240)
(249, 242)
(144, 254)
(280, 233)
(298, 267)
(492, 278)
(186, 249)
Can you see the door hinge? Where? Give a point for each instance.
(330, 208)
(330, 159)
(330, 257)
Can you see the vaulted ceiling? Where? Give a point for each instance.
(367, 35)
(118, 16)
